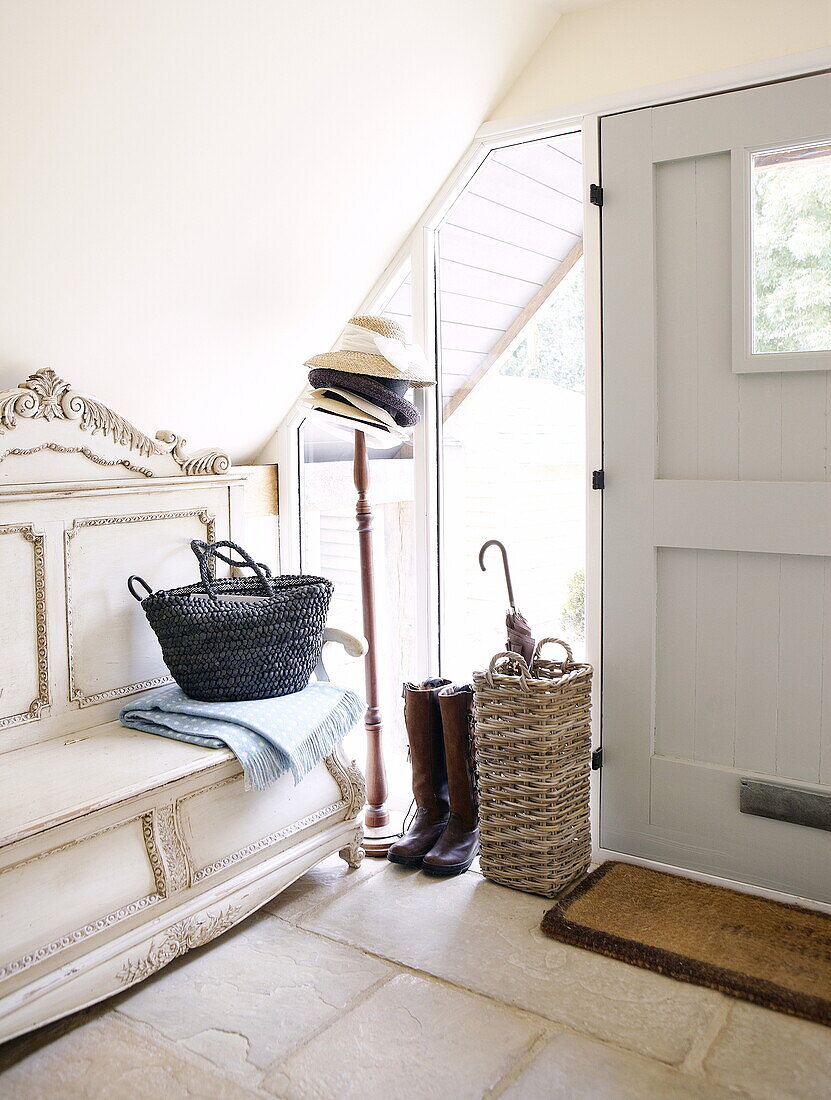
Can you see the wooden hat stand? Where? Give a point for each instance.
(379, 830)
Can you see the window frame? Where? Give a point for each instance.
(745, 359)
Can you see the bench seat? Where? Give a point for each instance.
(120, 850)
(46, 785)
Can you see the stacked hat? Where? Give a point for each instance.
(362, 383)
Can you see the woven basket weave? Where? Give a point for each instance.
(224, 651)
(533, 757)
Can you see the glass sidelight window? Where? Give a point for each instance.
(500, 451)
(791, 249)
(509, 303)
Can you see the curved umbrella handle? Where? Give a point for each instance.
(504, 552)
(512, 661)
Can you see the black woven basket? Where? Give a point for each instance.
(224, 651)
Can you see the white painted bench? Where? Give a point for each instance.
(119, 850)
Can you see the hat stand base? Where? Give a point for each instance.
(377, 841)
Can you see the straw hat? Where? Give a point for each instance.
(375, 346)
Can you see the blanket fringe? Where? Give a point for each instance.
(268, 763)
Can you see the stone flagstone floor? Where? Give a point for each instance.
(384, 983)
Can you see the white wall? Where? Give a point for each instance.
(196, 194)
(628, 44)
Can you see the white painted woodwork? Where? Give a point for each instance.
(94, 878)
(21, 688)
(785, 517)
(80, 773)
(160, 543)
(400, 307)
(733, 687)
(91, 537)
(717, 511)
(120, 850)
(473, 212)
(220, 821)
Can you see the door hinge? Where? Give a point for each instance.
(597, 760)
(598, 479)
(596, 194)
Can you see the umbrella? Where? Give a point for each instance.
(520, 639)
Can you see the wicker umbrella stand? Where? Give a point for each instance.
(532, 735)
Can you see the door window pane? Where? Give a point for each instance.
(791, 192)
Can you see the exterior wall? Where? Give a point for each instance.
(629, 44)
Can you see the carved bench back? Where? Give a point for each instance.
(85, 500)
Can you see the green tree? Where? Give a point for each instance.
(792, 255)
(553, 345)
(573, 615)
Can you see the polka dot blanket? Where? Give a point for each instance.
(268, 736)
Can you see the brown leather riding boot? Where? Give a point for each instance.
(423, 721)
(458, 845)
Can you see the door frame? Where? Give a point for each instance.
(419, 250)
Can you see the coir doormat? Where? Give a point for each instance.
(763, 951)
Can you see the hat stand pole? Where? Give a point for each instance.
(377, 831)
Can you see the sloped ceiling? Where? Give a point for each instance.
(195, 194)
(622, 45)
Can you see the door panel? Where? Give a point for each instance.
(717, 508)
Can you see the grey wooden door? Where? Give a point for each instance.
(717, 507)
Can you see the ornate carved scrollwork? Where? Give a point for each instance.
(349, 778)
(353, 853)
(180, 938)
(166, 851)
(206, 462)
(44, 395)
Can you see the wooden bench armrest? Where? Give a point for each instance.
(354, 646)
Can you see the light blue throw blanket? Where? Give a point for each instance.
(268, 736)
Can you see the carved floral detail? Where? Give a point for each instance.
(153, 854)
(180, 938)
(44, 395)
(176, 869)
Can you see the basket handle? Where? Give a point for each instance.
(131, 583)
(559, 641)
(205, 551)
(515, 659)
(230, 561)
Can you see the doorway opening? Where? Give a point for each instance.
(510, 308)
